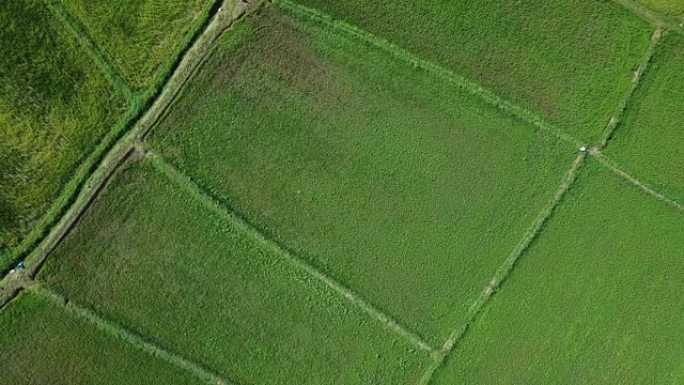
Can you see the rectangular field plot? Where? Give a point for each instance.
(42, 343)
(650, 141)
(570, 61)
(170, 266)
(596, 300)
(54, 108)
(139, 35)
(405, 188)
(669, 7)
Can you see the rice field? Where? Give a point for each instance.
(247, 192)
(54, 108)
(139, 36)
(43, 343)
(594, 301)
(351, 162)
(569, 61)
(670, 7)
(649, 143)
(212, 293)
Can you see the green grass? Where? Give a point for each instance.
(400, 186)
(670, 7)
(139, 35)
(649, 144)
(54, 108)
(44, 344)
(596, 299)
(570, 61)
(152, 258)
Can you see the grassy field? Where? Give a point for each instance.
(596, 300)
(650, 143)
(44, 344)
(54, 108)
(341, 192)
(395, 183)
(213, 295)
(569, 61)
(140, 36)
(670, 7)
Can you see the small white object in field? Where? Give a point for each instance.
(583, 148)
(11, 271)
(220, 9)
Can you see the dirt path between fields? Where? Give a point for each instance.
(638, 74)
(643, 186)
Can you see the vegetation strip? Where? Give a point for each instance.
(78, 30)
(129, 336)
(11, 285)
(617, 170)
(188, 185)
(469, 86)
(121, 149)
(656, 18)
(505, 269)
(636, 77)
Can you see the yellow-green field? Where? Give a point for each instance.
(54, 108)
(139, 36)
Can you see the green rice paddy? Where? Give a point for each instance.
(42, 343)
(361, 165)
(594, 301)
(333, 192)
(569, 61)
(214, 294)
(650, 143)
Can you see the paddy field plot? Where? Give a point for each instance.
(140, 36)
(570, 61)
(42, 343)
(650, 141)
(54, 108)
(669, 7)
(400, 185)
(595, 300)
(166, 264)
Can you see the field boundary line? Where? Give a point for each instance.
(123, 146)
(102, 61)
(10, 286)
(471, 87)
(505, 269)
(197, 55)
(80, 207)
(621, 109)
(127, 335)
(636, 182)
(654, 17)
(209, 201)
